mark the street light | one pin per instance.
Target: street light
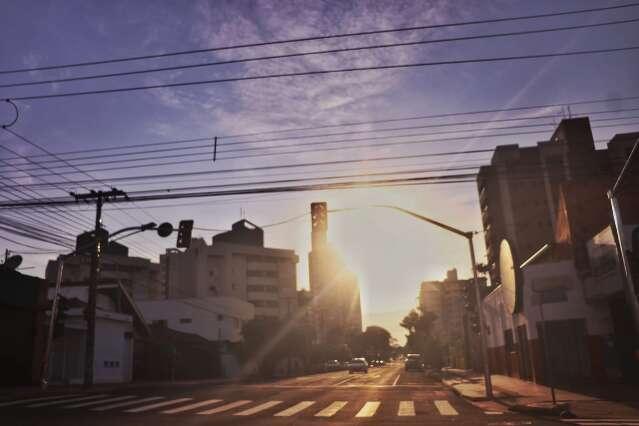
(482, 325)
(164, 230)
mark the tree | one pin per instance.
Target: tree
(420, 339)
(373, 343)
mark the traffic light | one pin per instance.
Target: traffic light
(184, 234)
(318, 216)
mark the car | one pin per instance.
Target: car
(358, 364)
(413, 362)
(332, 365)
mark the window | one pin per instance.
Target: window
(220, 317)
(555, 295)
(186, 320)
(160, 323)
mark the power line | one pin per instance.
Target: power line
(323, 149)
(323, 72)
(310, 53)
(398, 119)
(252, 142)
(316, 38)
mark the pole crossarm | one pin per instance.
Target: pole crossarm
(429, 220)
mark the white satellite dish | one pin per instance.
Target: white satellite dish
(509, 277)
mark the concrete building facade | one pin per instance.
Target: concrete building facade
(449, 301)
(142, 278)
(236, 265)
(519, 191)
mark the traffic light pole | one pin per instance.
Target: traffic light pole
(482, 326)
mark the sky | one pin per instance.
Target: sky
(391, 253)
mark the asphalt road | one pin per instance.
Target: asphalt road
(384, 396)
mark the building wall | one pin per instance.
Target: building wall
(142, 278)
(213, 318)
(519, 190)
(567, 315)
(264, 277)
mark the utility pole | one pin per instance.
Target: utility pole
(622, 245)
(89, 353)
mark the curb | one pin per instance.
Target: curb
(559, 410)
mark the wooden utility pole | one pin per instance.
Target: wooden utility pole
(89, 353)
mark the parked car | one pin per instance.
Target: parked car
(413, 362)
(332, 365)
(358, 364)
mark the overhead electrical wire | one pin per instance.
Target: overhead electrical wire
(321, 72)
(221, 151)
(324, 149)
(317, 38)
(28, 141)
(309, 53)
(397, 119)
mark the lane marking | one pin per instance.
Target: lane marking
(46, 398)
(406, 408)
(128, 403)
(257, 409)
(332, 409)
(192, 406)
(444, 408)
(295, 409)
(396, 380)
(84, 398)
(158, 405)
(102, 401)
(369, 409)
(344, 381)
(493, 412)
(225, 407)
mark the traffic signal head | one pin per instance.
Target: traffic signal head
(319, 219)
(184, 234)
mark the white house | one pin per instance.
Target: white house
(117, 322)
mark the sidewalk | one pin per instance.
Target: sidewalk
(593, 401)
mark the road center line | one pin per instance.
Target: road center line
(345, 381)
(396, 380)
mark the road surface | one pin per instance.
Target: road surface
(384, 396)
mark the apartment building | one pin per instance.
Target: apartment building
(519, 191)
(141, 277)
(447, 300)
(235, 265)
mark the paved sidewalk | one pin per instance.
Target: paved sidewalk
(605, 400)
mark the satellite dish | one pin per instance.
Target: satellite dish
(510, 277)
(13, 262)
(165, 229)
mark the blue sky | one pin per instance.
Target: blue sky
(390, 253)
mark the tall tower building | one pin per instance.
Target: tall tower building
(334, 288)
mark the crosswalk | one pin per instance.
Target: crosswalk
(610, 421)
(161, 405)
